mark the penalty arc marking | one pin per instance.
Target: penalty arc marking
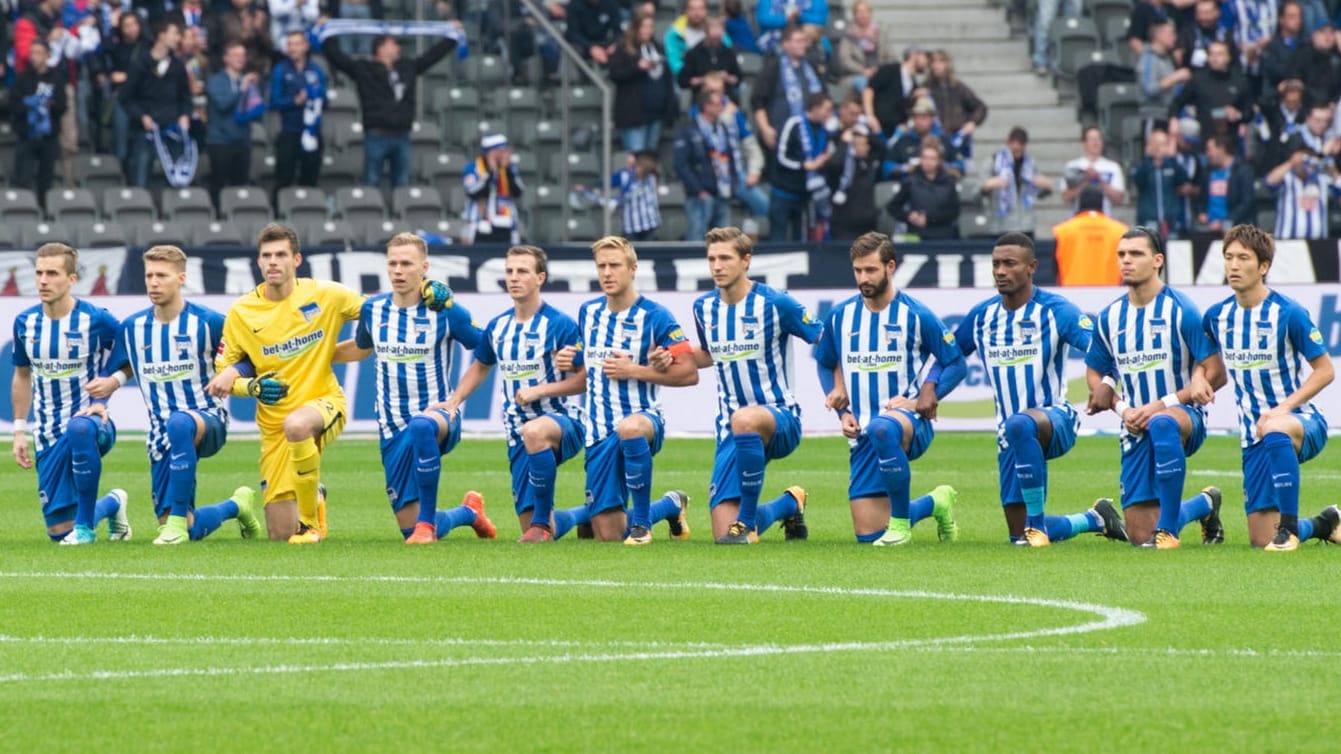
(1103, 618)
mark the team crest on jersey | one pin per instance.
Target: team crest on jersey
(422, 326)
(310, 311)
(1158, 329)
(1265, 332)
(1027, 329)
(892, 333)
(184, 344)
(1085, 322)
(1315, 336)
(74, 343)
(748, 325)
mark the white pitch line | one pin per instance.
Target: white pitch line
(1110, 618)
(253, 641)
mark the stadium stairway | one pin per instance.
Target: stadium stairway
(996, 65)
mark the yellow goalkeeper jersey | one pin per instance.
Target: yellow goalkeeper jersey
(295, 338)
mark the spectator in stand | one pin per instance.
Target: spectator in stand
(157, 94)
(36, 107)
(1185, 148)
(1278, 57)
(1156, 72)
(644, 96)
(1157, 179)
(711, 56)
(1093, 169)
(885, 99)
(230, 115)
(959, 110)
(1143, 15)
(191, 52)
(846, 115)
(750, 174)
(118, 54)
(39, 22)
(928, 199)
(686, 32)
(356, 9)
(785, 81)
(905, 149)
(288, 16)
(1227, 195)
(493, 186)
(738, 28)
(67, 45)
(1304, 185)
(245, 23)
(593, 28)
(1282, 114)
(1012, 186)
(639, 203)
(1314, 12)
(298, 94)
(708, 161)
(863, 48)
(191, 15)
(1044, 15)
(386, 87)
(1087, 243)
(852, 173)
(1254, 27)
(1209, 25)
(775, 17)
(800, 199)
(1316, 136)
(1219, 94)
(1319, 66)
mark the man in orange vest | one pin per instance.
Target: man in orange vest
(1087, 243)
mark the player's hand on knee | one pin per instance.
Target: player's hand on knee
(437, 296)
(268, 388)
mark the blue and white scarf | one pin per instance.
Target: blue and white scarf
(1003, 166)
(179, 170)
(38, 105)
(312, 109)
(723, 153)
(796, 97)
(341, 27)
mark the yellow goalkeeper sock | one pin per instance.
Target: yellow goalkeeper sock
(306, 475)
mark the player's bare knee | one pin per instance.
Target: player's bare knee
(632, 426)
(538, 435)
(754, 419)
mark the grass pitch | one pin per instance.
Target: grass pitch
(364, 644)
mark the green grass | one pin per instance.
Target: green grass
(365, 644)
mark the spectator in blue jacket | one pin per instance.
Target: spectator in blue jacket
(773, 16)
(708, 161)
(742, 35)
(298, 94)
(1157, 180)
(1227, 197)
(231, 95)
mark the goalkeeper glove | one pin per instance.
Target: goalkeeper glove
(268, 389)
(437, 296)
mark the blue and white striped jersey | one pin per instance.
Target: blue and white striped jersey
(1301, 205)
(1264, 349)
(882, 353)
(412, 352)
(636, 332)
(1024, 351)
(64, 354)
(1152, 349)
(173, 361)
(750, 347)
(524, 354)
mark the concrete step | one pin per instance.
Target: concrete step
(903, 17)
(940, 32)
(1043, 124)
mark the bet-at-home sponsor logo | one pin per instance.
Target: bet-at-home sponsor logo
(58, 369)
(403, 352)
(1248, 358)
(735, 350)
(1009, 356)
(167, 371)
(1140, 361)
(520, 369)
(872, 361)
(294, 346)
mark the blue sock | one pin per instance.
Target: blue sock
(427, 464)
(1030, 468)
(868, 538)
(86, 465)
(568, 518)
(638, 478)
(1170, 469)
(773, 511)
(750, 461)
(1284, 466)
(887, 435)
(541, 472)
(181, 462)
(1305, 529)
(1194, 508)
(210, 518)
(445, 521)
(663, 510)
(1060, 528)
(105, 507)
(920, 508)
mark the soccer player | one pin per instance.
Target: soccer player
(619, 333)
(870, 357)
(745, 329)
(1021, 335)
(544, 429)
(1153, 341)
(1265, 338)
(287, 328)
(414, 346)
(171, 347)
(59, 345)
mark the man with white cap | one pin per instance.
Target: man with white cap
(492, 187)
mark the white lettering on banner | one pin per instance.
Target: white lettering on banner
(321, 266)
(239, 278)
(693, 410)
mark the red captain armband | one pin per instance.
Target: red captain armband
(680, 347)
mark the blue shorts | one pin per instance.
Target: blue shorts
(1136, 482)
(864, 478)
(55, 475)
(605, 470)
(1064, 426)
(398, 461)
(574, 435)
(216, 434)
(726, 474)
(1257, 487)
